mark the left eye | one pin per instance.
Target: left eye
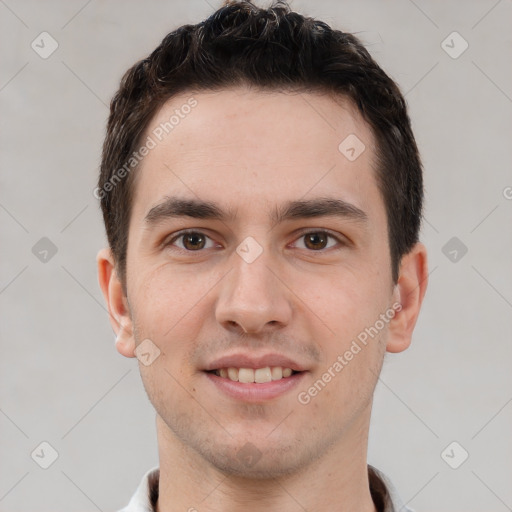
(318, 240)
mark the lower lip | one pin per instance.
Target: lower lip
(255, 392)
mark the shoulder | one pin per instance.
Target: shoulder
(383, 492)
(146, 495)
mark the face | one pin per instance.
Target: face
(255, 242)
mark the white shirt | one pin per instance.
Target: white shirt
(383, 493)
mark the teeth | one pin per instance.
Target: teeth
(287, 372)
(263, 375)
(249, 375)
(277, 373)
(244, 375)
(232, 373)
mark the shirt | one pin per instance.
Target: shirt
(382, 491)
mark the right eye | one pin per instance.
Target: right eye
(190, 241)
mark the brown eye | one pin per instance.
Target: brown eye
(316, 241)
(320, 241)
(193, 241)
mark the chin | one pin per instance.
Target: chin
(252, 463)
(255, 458)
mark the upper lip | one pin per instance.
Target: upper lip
(254, 362)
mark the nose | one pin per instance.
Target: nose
(253, 298)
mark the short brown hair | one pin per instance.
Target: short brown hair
(273, 48)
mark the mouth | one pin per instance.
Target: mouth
(254, 385)
(254, 375)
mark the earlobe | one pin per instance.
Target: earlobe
(117, 303)
(409, 292)
(125, 342)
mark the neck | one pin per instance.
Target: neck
(335, 481)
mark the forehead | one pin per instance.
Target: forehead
(252, 149)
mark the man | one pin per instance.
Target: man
(262, 195)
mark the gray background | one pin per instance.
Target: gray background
(61, 380)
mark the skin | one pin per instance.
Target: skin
(252, 151)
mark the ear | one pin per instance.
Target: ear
(409, 292)
(117, 303)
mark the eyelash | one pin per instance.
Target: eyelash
(181, 234)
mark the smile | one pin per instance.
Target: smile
(250, 375)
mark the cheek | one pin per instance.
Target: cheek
(348, 376)
(346, 302)
(166, 302)
(349, 305)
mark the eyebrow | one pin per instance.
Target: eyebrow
(175, 207)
